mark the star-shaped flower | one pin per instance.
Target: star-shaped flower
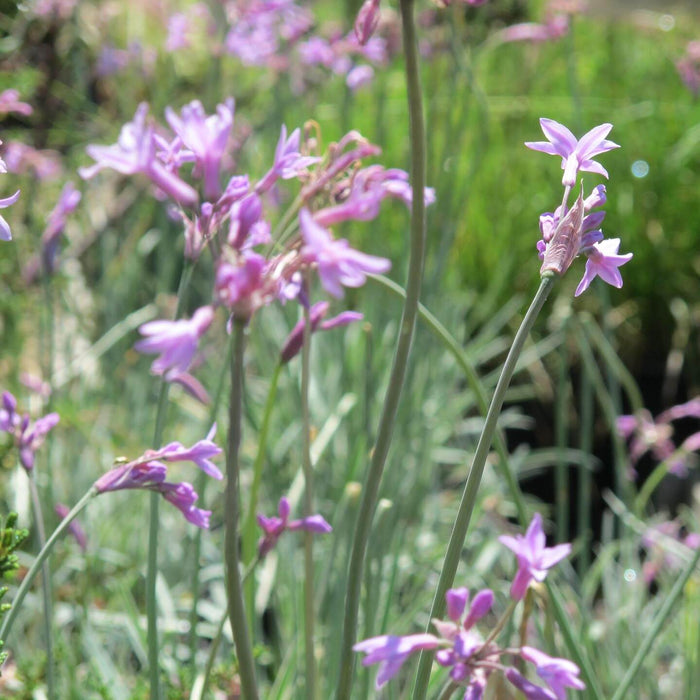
(576, 154)
(604, 261)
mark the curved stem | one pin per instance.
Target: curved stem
(466, 506)
(309, 653)
(234, 587)
(403, 346)
(448, 691)
(39, 561)
(153, 522)
(45, 586)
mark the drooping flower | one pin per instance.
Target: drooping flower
(292, 346)
(55, 224)
(175, 341)
(390, 652)
(367, 21)
(558, 674)
(576, 154)
(534, 557)
(274, 527)
(148, 472)
(338, 264)
(135, 152)
(603, 261)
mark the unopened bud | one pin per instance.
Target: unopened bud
(367, 21)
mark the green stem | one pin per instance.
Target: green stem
(309, 654)
(249, 524)
(234, 587)
(584, 475)
(448, 691)
(403, 346)
(561, 425)
(501, 623)
(39, 562)
(466, 506)
(653, 633)
(152, 562)
(217, 638)
(45, 586)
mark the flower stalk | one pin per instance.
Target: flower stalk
(466, 506)
(403, 346)
(234, 584)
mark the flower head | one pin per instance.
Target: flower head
(176, 341)
(558, 674)
(5, 233)
(576, 154)
(534, 557)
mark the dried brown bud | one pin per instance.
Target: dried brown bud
(566, 241)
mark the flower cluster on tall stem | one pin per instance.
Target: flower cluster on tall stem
(569, 232)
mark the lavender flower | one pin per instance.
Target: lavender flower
(28, 437)
(274, 527)
(338, 264)
(603, 261)
(367, 21)
(135, 152)
(558, 674)
(576, 154)
(67, 202)
(534, 558)
(176, 341)
(390, 652)
(288, 162)
(295, 339)
(148, 472)
(10, 102)
(206, 136)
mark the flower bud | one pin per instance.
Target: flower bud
(566, 241)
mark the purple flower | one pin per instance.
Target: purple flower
(245, 285)
(338, 264)
(74, 528)
(200, 454)
(558, 674)
(390, 652)
(289, 162)
(176, 341)
(135, 152)
(359, 76)
(206, 136)
(148, 472)
(274, 527)
(67, 202)
(576, 155)
(5, 233)
(295, 339)
(247, 228)
(534, 557)
(603, 261)
(28, 437)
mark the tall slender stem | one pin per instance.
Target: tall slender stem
(39, 562)
(153, 524)
(234, 586)
(309, 653)
(45, 586)
(403, 346)
(466, 506)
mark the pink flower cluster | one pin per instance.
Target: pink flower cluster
(471, 658)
